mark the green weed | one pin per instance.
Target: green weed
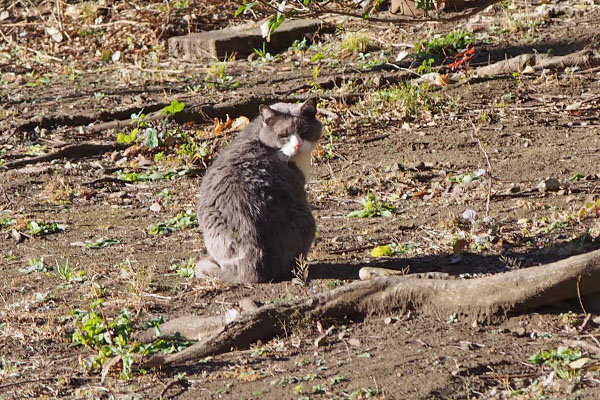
(185, 269)
(153, 176)
(355, 42)
(113, 337)
(44, 228)
(373, 207)
(69, 275)
(393, 249)
(564, 361)
(184, 220)
(101, 243)
(451, 43)
(35, 265)
(411, 99)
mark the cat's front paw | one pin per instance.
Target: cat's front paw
(207, 268)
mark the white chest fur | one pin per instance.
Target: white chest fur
(303, 160)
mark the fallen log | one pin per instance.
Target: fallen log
(485, 299)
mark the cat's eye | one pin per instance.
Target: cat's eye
(283, 135)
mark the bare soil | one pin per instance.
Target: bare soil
(531, 126)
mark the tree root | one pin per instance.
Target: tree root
(71, 151)
(485, 299)
(538, 62)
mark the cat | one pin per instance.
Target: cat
(253, 211)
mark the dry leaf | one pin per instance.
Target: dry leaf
(239, 123)
(528, 70)
(221, 126)
(108, 365)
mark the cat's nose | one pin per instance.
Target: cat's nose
(298, 145)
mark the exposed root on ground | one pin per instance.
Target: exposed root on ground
(72, 151)
(487, 298)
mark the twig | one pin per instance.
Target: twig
(489, 167)
(579, 295)
(584, 345)
(514, 376)
(45, 378)
(78, 150)
(171, 383)
(585, 321)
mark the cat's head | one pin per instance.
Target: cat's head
(292, 128)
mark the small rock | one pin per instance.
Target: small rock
(549, 185)
(519, 332)
(114, 156)
(18, 236)
(155, 207)
(117, 195)
(388, 320)
(514, 189)
(354, 342)
(247, 304)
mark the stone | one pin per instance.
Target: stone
(549, 185)
(240, 40)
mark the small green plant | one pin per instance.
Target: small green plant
(411, 99)
(373, 207)
(332, 284)
(101, 243)
(35, 149)
(467, 177)
(565, 361)
(334, 380)
(35, 265)
(183, 220)
(6, 222)
(153, 176)
(355, 42)
(173, 108)
(452, 42)
(264, 55)
(69, 275)
(139, 119)
(113, 337)
(186, 269)
(425, 66)
(392, 249)
(44, 228)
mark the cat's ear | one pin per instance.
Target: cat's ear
(266, 112)
(309, 108)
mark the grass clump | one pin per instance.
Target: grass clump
(184, 220)
(451, 43)
(373, 207)
(412, 99)
(355, 42)
(112, 337)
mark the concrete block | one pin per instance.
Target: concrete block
(241, 41)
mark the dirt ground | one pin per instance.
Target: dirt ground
(414, 150)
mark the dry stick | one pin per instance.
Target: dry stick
(46, 378)
(489, 167)
(171, 383)
(490, 297)
(78, 150)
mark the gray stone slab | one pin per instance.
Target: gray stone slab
(223, 42)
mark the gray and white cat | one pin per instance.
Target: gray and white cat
(253, 210)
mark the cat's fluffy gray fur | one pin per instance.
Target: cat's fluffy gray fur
(253, 210)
